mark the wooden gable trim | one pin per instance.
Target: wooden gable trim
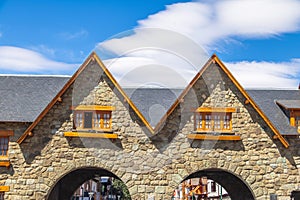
(182, 95)
(215, 59)
(92, 57)
(127, 99)
(251, 101)
(55, 99)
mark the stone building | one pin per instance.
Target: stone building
(69, 130)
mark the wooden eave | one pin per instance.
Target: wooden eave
(215, 59)
(92, 57)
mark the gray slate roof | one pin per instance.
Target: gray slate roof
(23, 98)
(153, 103)
(266, 100)
(289, 104)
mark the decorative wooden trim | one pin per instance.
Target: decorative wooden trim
(213, 137)
(95, 107)
(6, 133)
(4, 161)
(4, 188)
(91, 135)
(59, 99)
(214, 109)
(136, 110)
(201, 126)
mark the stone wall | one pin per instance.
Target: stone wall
(153, 165)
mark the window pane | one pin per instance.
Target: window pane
(78, 120)
(208, 121)
(106, 120)
(227, 121)
(298, 122)
(3, 146)
(88, 119)
(217, 122)
(198, 122)
(97, 120)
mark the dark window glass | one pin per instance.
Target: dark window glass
(88, 119)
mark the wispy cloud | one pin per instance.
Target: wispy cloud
(75, 35)
(204, 24)
(43, 49)
(20, 60)
(266, 74)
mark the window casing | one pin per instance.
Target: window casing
(297, 121)
(213, 121)
(92, 119)
(4, 144)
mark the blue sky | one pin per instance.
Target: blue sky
(258, 40)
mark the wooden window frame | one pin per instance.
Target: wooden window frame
(220, 121)
(4, 160)
(212, 125)
(98, 126)
(295, 119)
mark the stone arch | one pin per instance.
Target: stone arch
(66, 185)
(237, 188)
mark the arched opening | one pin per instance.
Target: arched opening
(213, 184)
(105, 184)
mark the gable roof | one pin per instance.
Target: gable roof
(268, 101)
(92, 57)
(140, 113)
(23, 97)
(216, 60)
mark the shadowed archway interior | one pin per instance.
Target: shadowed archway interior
(66, 185)
(235, 186)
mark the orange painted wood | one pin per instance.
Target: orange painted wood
(213, 137)
(91, 135)
(6, 132)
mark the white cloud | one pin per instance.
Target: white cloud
(266, 74)
(210, 21)
(20, 60)
(183, 28)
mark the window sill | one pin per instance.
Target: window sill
(91, 135)
(4, 161)
(213, 137)
(86, 130)
(4, 188)
(214, 132)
